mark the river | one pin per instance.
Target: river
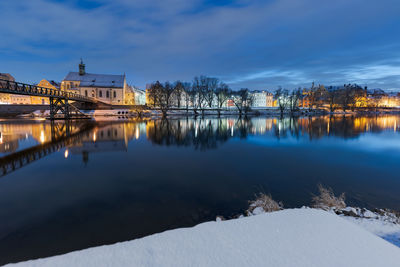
(67, 186)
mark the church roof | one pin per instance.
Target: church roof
(96, 80)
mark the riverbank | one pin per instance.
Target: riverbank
(293, 237)
(42, 111)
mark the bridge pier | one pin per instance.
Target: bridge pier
(59, 104)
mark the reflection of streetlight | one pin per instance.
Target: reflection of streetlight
(66, 153)
(137, 133)
(42, 136)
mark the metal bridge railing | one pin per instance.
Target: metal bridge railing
(34, 90)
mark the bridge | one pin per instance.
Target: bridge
(59, 100)
(63, 135)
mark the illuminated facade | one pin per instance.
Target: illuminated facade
(110, 89)
(10, 98)
(46, 84)
(262, 99)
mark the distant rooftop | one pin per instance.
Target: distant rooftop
(96, 80)
(6, 76)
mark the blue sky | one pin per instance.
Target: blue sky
(255, 44)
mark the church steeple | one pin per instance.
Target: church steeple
(82, 68)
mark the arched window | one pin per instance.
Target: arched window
(107, 94)
(100, 93)
(86, 93)
(115, 94)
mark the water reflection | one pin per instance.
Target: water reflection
(72, 185)
(201, 134)
(209, 133)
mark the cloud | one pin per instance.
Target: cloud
(256, 44)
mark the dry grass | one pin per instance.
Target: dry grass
(264, 202)
(327, 200)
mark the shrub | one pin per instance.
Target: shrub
(327, 200)
(263, 203)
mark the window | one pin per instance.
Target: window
(100, 93)
(107, 94)
(115, 94)
(86, 93)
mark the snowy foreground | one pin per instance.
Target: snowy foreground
(292, 237)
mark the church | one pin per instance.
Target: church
(110, 89)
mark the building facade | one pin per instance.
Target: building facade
(50, 84)
(262, 99)
(107, 88)
(139, 96)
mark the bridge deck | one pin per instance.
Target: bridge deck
(17, 88)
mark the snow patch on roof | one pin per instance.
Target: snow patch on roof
(96, 80)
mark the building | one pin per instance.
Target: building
(270, 99)
(6, 98)
(107, 88)
(129, 96)
(45, 84)
(134, 96)
(11, 98)
(139, 96)
(262, 99)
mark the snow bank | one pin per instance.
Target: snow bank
(293, 237)
(386, 230)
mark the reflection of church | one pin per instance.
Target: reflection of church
(109, 138)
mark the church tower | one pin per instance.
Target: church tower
(82, 68)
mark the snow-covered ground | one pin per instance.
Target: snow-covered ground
(292, 237)
(382, 223)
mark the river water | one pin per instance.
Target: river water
(69, 186)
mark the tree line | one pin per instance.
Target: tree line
(348, 97)
(199, 95)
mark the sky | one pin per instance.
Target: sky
(254, 44)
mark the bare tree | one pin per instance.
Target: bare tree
(178, 93)
(243, 100)
(187, 94)
(192, 94)
(346, 97)
(332, 97)
(161, 96)
(211, 85)
(154, 93)
(199, 87)
(294, 100)
(281, 96)
(222, 94)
